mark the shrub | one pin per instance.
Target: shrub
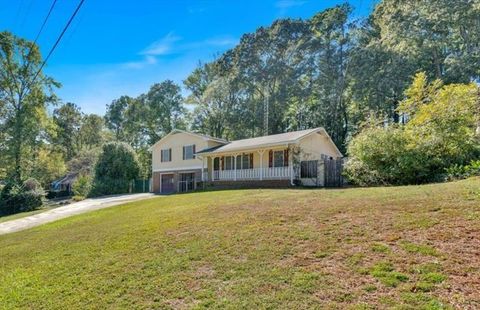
(439, 138)
(116, 167)
(78, 198)
(32, 185)
(457, 172)
(382, 156)
(16, 198)
(109, 186)
(358, 172)
(473, 169)
(82, 186)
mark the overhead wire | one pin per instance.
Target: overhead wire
(56, 42)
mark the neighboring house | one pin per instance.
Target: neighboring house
(64, 184)
(181, 160)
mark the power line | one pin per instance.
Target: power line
(74, 28)
(58, 41)
(45, 21)
(39, 32)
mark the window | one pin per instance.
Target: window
(166, 155)
(245, 161)
(229, 162)
(278, 159)
(189, 152)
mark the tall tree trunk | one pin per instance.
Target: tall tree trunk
(18, 146)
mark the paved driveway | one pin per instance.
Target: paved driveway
(68, 210)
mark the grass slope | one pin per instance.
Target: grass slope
(408, 247)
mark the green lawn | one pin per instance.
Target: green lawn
(410, 247)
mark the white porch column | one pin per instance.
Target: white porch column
(203, 168)
(290, 163)
(261, 163)
(234, 167)
(213, 168)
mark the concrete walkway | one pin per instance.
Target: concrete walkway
(68, 210)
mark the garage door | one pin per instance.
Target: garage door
(167, 184)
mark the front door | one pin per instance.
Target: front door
(168, 185)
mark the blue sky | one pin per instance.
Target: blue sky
(116, 48)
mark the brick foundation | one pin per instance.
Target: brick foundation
(247, 184)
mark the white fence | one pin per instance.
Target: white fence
(249, 174)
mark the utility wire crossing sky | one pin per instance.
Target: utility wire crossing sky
(114, 48)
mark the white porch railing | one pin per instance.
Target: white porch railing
(249, 174)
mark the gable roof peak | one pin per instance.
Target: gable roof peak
(203, 136)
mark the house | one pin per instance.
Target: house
(182, 160)
(64, 184)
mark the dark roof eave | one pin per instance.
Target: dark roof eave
(211, 149)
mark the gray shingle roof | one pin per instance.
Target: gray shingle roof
(271, 140)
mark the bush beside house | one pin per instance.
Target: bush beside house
(116, 167)
(438, 138)
(381, 156)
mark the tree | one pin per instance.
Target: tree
(440, 35)
(49, 165)
(443, 120)
(135, 132)
(164, 110)
(330, 47)
(263, 69)
(68, 120)
(24, 98)
(84, 162)
(294, 70)
(116, 167)
(91, 133)
(213, 97)
(115, 118)
(377, 76)
(403, 37)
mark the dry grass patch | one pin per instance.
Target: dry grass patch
(406, 247)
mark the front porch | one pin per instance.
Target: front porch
(278, 173)
(258, 165)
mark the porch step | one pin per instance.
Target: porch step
(247, 184)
